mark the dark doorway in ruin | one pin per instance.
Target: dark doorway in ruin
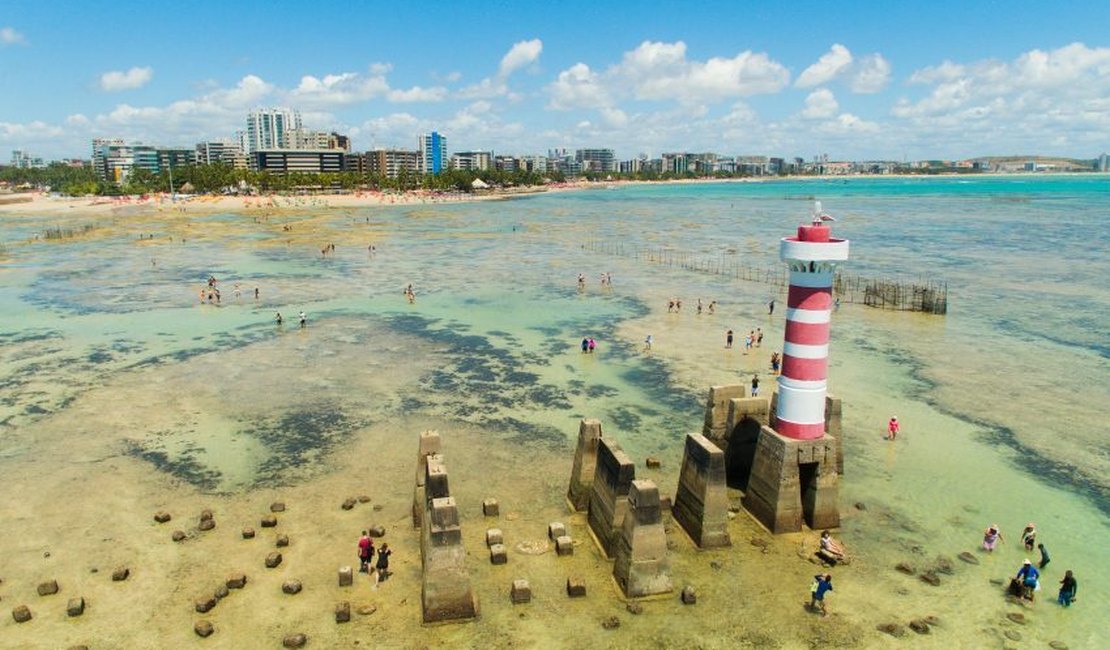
(740, 453)
(807, 479)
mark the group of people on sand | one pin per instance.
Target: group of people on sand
(1027, 581)
(589, 344)
(831, 553)
(302, 318)
(379, 571)
(674, 306)
(211, 293)
(606, 281)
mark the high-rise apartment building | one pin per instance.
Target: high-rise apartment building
(433, 153)
(25, 160)
(225, 152)
(268, 128)
(596, 160)
(391, 162)
(472, 160)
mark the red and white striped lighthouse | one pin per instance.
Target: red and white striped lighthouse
(812, 256)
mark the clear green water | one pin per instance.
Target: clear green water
(1003, 401)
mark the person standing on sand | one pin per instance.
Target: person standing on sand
(277, 318)
(647, 343)
(771, 307)
(304, 320)
(822, 584)
(892, 428)
(364, 554)
(755, 385)
(728, 339)
(383, 562)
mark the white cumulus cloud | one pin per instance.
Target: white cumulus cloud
(131, 79)
(8, 36)
(520, 55)
(828, 67)
(868, 74)
(820, 103)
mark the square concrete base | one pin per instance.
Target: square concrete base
(794, 481)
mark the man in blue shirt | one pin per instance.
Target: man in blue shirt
(1028, 575)
(821, 584)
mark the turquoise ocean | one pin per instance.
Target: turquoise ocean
(108, 356)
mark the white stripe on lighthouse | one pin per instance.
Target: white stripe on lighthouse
(801, 351)
(811, 316)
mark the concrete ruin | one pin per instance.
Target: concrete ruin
(585, 463)
(794, 481)
(701, 503)
(429, 444)
(779, 497)
(446, 593)
(608, 503)
(734, 423)
(642, 567)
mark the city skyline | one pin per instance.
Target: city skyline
(938, 81)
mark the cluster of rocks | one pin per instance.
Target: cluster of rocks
(918, 625)
(74, 607)
(350, 502)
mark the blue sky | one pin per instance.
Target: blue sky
(891, 80)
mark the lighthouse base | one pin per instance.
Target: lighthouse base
(793, 481)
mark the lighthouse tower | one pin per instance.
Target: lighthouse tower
(794, 472)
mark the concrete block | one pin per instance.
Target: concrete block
(564, 545)
(521, 592)
(346, 576)
(498, 554)
(641, 565)
(490, 508)
(494, 536)
(555, 530)
(576, 587)
(343, 612)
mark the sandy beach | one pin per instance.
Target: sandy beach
(129, 397)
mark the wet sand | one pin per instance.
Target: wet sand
(313, 417)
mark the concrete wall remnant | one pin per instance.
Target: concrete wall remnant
(701, 503)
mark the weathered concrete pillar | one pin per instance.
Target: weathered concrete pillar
(642, 567)
(585, 462)
(429, 444)
(746, 417)
(701, 504)
(716, 409)
(445, 593)
(793, 480)
(833, 411)
(609, 495)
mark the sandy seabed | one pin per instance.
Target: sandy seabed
(82, 504)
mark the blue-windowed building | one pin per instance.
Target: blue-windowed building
(433, 153)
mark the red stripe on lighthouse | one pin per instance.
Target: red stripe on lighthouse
(799, 431)
(807, 333)
(815, 298)
(805, 369)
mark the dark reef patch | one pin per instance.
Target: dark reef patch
(184, 466)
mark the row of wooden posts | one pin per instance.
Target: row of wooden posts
(921, 295)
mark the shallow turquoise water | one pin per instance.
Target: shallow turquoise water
(1003, 400)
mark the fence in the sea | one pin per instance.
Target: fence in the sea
(922, 295)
